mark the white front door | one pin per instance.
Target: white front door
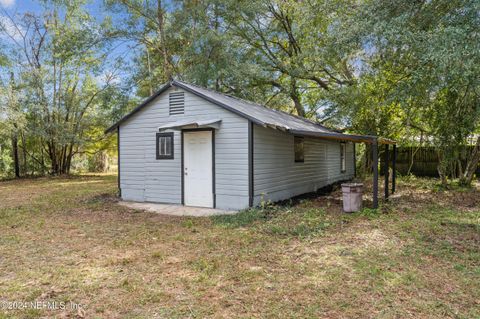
(197, 168)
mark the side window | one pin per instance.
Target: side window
(164, 146)
(343, 157)
(299, 149)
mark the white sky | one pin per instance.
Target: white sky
(7, 3)
(9, 28)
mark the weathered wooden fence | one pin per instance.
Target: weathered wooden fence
(421, 161)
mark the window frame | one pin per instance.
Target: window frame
(343, 157)
(295, 138)
(158, 136)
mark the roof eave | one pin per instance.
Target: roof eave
(186, 88)
(225, 106)
(345, 137)
(139, 107)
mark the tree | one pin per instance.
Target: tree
(434, 52)
(292, 45)
(146, 23)
(60, 58)
(274, 52)
(13, 118)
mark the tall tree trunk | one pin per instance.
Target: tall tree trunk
(64, 160)
(295, 96)
(161, 31)
(472, 164)
(442, 169)
(216, 26)
(68, 162)
(366, 160)
(412, 158)
(42, 160)
(53, 154)
(24, 154)
(16, 163)
(150, 81)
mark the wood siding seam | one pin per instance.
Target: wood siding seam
(250, 164)
(182, 168)
(278, 177)
(145, 178)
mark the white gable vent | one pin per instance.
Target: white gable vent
(177, 103)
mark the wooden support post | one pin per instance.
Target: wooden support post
(375, 172)
(385, 170)
(394, 170)
(354, 161)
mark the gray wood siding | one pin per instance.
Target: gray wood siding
(144, 178)
(278, 177)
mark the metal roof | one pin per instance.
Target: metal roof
(259, 114)
(213, 123)
(256, 113)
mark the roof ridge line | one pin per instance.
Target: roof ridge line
(225, 94)
(257, 104)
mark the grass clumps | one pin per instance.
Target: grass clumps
(416, 256)
(244, 218)
(277, 220)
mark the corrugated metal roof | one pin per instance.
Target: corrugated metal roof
(215, 123)
(257, 113)
(264, 115)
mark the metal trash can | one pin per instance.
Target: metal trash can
(352, 197)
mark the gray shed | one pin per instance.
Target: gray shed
(197, 147)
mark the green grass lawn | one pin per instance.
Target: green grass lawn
(66, 239)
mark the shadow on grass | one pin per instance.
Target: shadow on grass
(244, 218)
(283, 221)
(434, 184)
(268, 210)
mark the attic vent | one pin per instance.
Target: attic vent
(177, 103)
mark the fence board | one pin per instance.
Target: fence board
(425, 161)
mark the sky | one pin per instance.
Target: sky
(20, 5)
(12, 6)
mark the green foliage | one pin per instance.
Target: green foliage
(369, 212)
(397, 69)
(284, 221)
(243, 218)
(276, 52)
(368, 108)
(5, 161)
(60, 86)
(419, 73)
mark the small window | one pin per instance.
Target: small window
(299, 149)
(343, 162)
(176, 103)
(164, 145)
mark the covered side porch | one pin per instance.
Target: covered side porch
(389, 158)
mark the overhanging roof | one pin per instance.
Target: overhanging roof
(256, 113)
(212, 123)
(138, 108)
(346, 137)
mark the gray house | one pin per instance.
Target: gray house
(197, 147)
